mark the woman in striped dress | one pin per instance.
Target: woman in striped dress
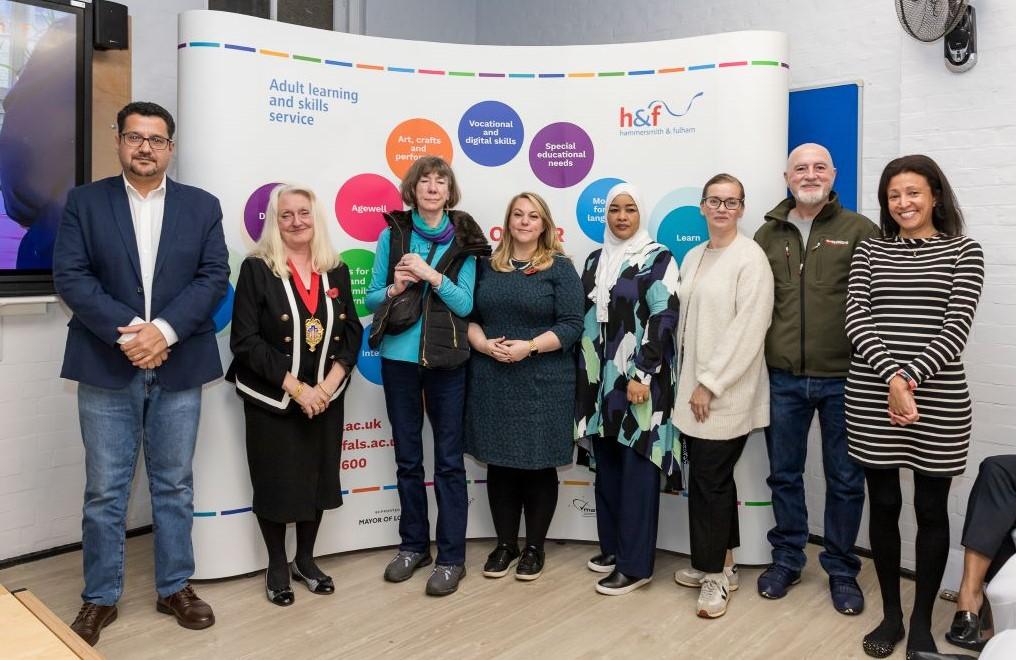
(910, 304)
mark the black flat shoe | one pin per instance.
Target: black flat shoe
(931, 655)
(282, 597)
(881, 648)
(602, 563)
(965, 630)
(322, 587)
(618, 584)
(500, 561)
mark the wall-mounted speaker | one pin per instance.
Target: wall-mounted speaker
(110, 20)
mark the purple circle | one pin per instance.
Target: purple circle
(254, 210)
(561, 154)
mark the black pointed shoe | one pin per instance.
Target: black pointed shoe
(323, 586)
(282, 597)
(618, 584)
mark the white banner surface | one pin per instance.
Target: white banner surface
(262, 102)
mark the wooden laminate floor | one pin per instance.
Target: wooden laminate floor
(557, 616)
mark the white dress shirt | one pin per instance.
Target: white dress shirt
(146, 214)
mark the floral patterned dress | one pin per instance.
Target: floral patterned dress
(637, 341)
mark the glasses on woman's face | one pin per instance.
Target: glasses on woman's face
(731, 203)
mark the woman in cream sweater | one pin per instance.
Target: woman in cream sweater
(726, 296)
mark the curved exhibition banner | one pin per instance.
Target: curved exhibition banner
(263, 102)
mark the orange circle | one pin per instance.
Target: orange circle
(413, 139)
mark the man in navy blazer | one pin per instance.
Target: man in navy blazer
(142, 263)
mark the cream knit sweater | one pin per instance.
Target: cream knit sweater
(721, 340)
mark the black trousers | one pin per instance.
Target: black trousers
(512, 492)
(627, 506)
(712, 500)
(991, 511)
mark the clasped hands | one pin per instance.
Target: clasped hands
(508, 350)
(413, 268)
(902, 406)
(148, 349)
(312, 399)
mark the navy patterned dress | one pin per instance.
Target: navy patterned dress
(517, 414)
(637, 341)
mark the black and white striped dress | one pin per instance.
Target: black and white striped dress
(910, 305)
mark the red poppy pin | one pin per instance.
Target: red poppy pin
(332, 293)
(529, 271)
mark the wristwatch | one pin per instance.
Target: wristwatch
(911, 383)
(533, 348)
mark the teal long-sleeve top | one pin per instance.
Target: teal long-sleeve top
(458, 296)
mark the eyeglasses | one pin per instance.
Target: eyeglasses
(156, 142)
(732, 203)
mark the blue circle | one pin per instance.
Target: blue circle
(681, 230)
(369, 363)
(491, 133)
(223, 313)
(590, 211)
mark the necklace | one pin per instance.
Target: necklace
(314, 330)
(518, 264)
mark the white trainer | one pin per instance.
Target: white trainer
(689, 577)
(712, 600)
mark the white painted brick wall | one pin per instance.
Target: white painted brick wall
(911, 104)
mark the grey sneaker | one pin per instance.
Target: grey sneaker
(402, 566)
(712, 600)
(689, 577)
(445, 579)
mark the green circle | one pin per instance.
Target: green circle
(361, 263)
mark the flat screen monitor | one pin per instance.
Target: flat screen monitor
(45, 59)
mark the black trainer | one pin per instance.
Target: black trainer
(500, 561)
(531, 564)
(602, 563)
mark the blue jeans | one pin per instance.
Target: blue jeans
(793, 402)
(114, 425)
(408, 389)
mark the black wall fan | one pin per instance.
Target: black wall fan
(930, 20)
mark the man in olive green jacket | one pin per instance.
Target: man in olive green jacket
(810, 239)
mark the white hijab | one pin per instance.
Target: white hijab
(616, 251)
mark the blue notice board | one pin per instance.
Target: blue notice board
(831, 116)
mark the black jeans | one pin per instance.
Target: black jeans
(512, 492)
(627, 506)
(712, 500)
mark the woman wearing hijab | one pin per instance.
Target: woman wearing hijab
(625, 389)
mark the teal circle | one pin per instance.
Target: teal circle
(682, 229)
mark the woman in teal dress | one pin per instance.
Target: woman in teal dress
(625, 389)
(527, 315)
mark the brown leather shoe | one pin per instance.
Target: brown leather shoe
(91, 620)
(189, 610)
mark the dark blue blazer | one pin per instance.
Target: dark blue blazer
(97, 272)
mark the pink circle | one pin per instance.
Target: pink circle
(361, 202)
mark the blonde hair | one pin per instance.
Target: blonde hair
(272, 250)
(547, 247)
